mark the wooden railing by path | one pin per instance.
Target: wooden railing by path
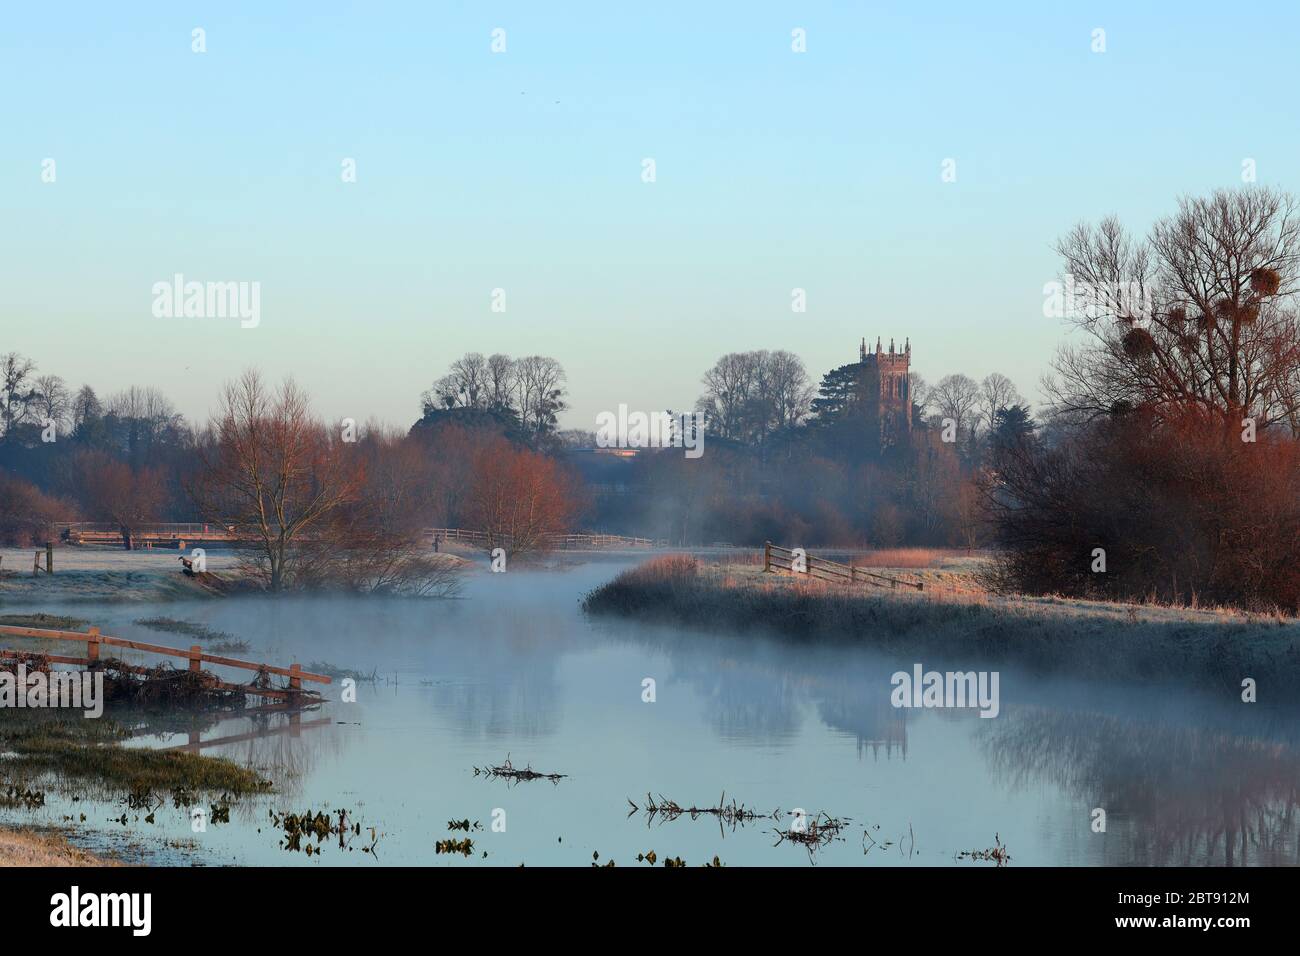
(553, 540)
(168, 535)
(179, 535)
(777, 558)
(196, 657)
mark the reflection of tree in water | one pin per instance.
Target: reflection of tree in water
(876, 724)
(755, 690)
(509, 702)
(1173, 795)
(748, 704)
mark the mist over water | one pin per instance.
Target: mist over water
(514, 668)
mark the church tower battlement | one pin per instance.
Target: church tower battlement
(887, 392)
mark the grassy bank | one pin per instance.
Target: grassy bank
(1214, 647)
(33, 848)
(49, 749)
(101, 575)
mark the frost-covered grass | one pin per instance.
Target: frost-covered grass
(1214, 646)
(103, 574)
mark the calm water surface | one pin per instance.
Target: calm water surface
(513, 668)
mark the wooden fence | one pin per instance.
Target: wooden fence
(179, 536)
(195, 656)
(777, 558)
(552, 540)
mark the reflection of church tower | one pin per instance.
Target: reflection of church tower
(887, 393)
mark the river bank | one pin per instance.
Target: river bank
(33, 848)
(52, 758)
(110, 575)
(1212, 647)
(101, 574)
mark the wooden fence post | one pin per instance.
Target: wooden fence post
(92, 646)
(196, 658)
(36, 565)
(49, 558)
(767, 556)
(295, 682)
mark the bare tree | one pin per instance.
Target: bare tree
(464, 386)
(539, 391)
(147, 418)
(730, 389)
(997, 392)
(85, 407)
(957, 397)
(748, 395)
(1198, 317)
(920, 391)
(52, 401)
(500, 382)
(16, 391)
(272, 472)
(789, 390)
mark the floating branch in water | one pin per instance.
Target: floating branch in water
(813, 833)
(997, 853)
(513, 774)
(464, 825)
(732, 813)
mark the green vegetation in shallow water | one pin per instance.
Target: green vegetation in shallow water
(171, 625)
(89, 752)
(49, 622)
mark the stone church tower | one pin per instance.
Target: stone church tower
(887, 394)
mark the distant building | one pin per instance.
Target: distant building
(887, 393)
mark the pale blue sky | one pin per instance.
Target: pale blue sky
(522, 171)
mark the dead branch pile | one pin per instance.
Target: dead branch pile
(812, 833)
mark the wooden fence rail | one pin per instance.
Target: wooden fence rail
(195, 655)
(179, 535)
(552, 539)
(778, 558)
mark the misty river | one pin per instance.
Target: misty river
(513, 667)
